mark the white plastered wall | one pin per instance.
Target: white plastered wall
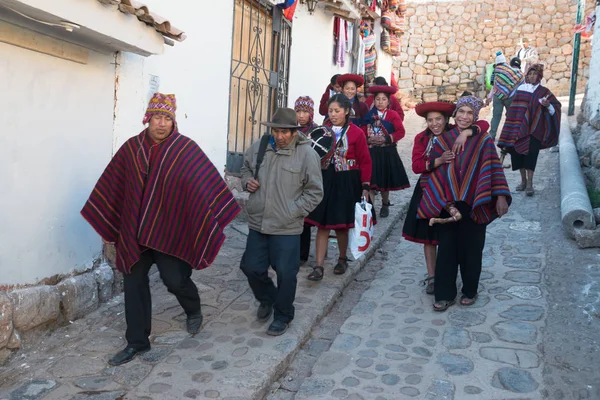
(197, 71)
(311, 59)
(56, 123)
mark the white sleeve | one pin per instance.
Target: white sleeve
(551, 109)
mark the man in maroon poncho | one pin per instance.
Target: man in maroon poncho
(160, 201)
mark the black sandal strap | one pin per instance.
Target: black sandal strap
(317, 273)
(426, 280)
(341, 268)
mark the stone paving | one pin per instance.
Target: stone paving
(231, 358)
(508, 345)
(390, 345)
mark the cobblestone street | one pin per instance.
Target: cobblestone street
(532, 334)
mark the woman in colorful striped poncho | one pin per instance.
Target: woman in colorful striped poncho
(532, 124)
(474, 183)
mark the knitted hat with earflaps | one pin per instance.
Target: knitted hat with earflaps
(161, 104)
(305, 103)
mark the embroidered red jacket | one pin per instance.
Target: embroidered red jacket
(394, 128)
(352, 152)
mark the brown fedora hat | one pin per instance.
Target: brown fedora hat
(284, 118)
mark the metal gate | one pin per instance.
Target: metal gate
(260, 57)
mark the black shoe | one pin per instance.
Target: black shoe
(385, 211)
(277, 328)
(194, 323)
(264, 311)
(126, 355)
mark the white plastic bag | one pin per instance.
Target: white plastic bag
(361, 235)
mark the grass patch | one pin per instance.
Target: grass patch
(594, 197)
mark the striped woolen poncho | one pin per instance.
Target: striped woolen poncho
(506, 81)
(526, 117)
(168, 197)
(475, 177)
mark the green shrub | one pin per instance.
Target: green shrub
(594, 197)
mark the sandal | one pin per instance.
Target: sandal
(529, 191)
(340, 267)
(521, 186)
(428, 282)
(442, 305)
(316, 274)
(467, 301)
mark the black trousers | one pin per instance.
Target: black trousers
(460, 244)
(305, 242)
(282, 252)
(175, 274)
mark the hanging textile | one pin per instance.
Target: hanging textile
(350, 37)
(370, 53)
(356, 43)
(370, 64)
(340, 35)
(360, 61)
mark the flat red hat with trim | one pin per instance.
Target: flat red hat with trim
(382, 89)
(443, 107)
(358, 79)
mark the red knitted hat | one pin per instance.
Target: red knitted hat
(305, 103)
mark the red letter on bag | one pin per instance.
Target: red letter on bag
(365, 235)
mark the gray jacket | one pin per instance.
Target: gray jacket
(291, 186)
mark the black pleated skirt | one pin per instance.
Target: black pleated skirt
(341, 191)
(388, 171)
(415, 229)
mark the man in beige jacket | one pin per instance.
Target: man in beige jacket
(286, 188)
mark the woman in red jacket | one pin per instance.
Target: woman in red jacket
(346, 178)
(437, 115)
(384, 129)
(394, 103)
(350, 84)
(332, 89)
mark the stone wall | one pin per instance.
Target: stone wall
(448, 44)
(26, 312)
(587, 134)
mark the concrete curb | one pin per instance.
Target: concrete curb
(355, 267)
(575, 205)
